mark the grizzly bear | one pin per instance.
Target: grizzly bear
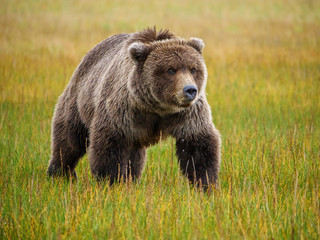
(128, 92)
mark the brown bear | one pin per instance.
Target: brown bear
(128, 92)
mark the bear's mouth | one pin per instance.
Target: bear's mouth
(187, 104)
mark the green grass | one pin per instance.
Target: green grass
(263, 60)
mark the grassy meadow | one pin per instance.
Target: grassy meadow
(263, 60)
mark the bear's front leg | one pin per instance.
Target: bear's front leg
(199, 156)
(114, 158)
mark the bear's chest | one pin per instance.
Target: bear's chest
(148, 129)
(148, 133)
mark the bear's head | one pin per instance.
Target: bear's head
(169, 75)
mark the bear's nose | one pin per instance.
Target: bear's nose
(190, 91)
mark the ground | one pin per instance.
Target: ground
(263, 60)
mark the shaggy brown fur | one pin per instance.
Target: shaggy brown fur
(127, 92)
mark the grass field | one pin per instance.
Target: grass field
(263, 60)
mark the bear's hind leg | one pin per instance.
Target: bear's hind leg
(63, 162)
(69, 141)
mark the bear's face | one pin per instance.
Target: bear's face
(172, 73)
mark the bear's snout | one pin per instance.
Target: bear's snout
(190, 92)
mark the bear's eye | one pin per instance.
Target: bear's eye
(193, 70)
(171, 71)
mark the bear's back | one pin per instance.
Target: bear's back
(90, 71)
(101, 53)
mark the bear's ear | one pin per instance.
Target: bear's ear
(139, 51)
(196, 43)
